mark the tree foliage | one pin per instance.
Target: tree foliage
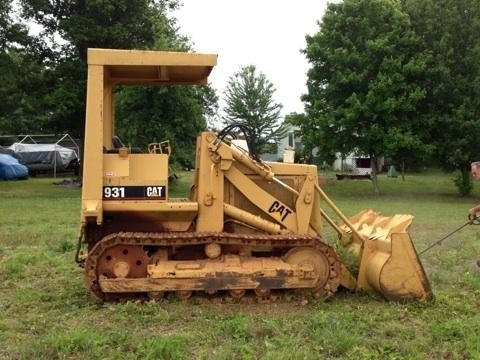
(249, 102)
(22, 75)
(450, 30)
(152, 114)
(71, 27)
(53, 99)
(364, 84)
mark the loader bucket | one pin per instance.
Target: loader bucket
(387, 259)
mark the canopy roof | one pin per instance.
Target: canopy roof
(146, 67)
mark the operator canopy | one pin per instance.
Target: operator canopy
(149, 67)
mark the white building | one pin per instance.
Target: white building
(355, 164)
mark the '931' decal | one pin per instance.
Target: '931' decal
(113, 192)
(157, 192)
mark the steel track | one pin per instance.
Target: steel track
(171, 239)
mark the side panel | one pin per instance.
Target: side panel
(135, 177)
(134, 196)
(135, 168)
(270, 205)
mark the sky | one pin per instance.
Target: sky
(269, 34)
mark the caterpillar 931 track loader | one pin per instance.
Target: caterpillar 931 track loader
(248, 227)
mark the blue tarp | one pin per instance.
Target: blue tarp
(11, 169)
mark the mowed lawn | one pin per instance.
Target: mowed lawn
(46, 312)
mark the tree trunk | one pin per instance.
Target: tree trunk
(374, 167)
(465, 185)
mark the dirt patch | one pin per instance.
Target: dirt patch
(323, 180)
(69, 184)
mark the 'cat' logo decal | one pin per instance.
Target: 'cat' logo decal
(279, 208)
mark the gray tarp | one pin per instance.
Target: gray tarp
(44, 154)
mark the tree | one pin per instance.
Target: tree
(72, 27)
(21, 74)
(450, 30)
(364, 82)
(249, 102)
(175, 113)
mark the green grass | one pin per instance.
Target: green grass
(46, 313)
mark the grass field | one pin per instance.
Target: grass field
(46, 313)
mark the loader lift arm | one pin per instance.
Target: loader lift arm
(386, 258)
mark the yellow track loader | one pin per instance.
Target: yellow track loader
(248, 228)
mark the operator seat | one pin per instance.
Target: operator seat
(118, 143)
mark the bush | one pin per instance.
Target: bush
(462, 181)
